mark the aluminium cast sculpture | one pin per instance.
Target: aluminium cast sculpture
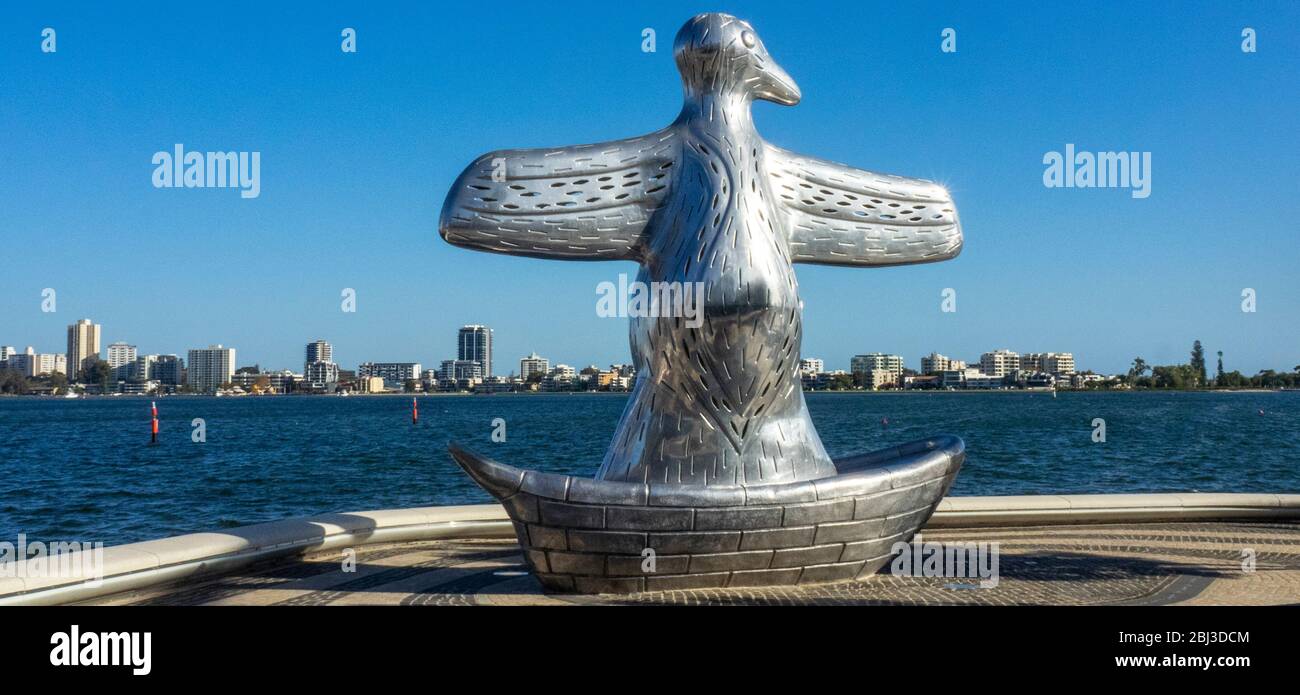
(715, 468)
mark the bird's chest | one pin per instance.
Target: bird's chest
(725, 235)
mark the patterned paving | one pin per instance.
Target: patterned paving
(1131, 564)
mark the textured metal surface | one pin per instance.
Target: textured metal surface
(707, 200)
(594, 536)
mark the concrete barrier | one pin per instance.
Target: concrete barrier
(197, 555)
(1039, 510)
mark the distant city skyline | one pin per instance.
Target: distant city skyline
(359, 150)
(477, 341)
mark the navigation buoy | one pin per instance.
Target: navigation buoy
(153, 438)
(415, 412)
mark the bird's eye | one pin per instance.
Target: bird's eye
(748, 38)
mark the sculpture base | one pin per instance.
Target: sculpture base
(595, 536)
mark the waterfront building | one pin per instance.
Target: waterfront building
(283, 381)
(1079, 381)
(141, 368)
(138, 388)
(474, 343)
(121, 358)
(83, 348)
(626, 370)
(934, 364)
(319, 351)
(370, 384)
(564, 371)
(321, 376)
(562, 377)
(394, 374)
(1047, 362)
(460, 370)
(1039, 380)
(319, 372)
(210, 367)
(30, 363)
(860, 365)
(999, 363)
(6, 351)
(494, 384)
(811, 365)
(985, 381)
(875, 379)
(821, 381)
(1058, 363)
(533, 364)
(19, 361)
(957, 378)
(168, 370)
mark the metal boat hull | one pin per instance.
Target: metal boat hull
(598, 536)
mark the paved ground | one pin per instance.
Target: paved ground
(1194, 563)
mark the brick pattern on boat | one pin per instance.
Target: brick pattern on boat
(580, 535)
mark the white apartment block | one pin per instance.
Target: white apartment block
(31, 363)
(121, 357)
(999, 363)
(861, 364)
(934, 363)
(533, 364)
(394, 374)
(1048, 362)
(811, 365)
(564, 371)
(211, 367)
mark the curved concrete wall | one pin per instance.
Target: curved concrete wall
(150, 563)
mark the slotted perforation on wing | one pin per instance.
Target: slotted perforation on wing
(839, 215)
(581, 202)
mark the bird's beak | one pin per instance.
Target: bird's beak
(775, 85)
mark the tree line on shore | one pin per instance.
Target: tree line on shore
(1195, 375)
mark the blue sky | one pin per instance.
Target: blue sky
(358, 151)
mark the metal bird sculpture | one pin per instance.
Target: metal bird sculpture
(706, 200)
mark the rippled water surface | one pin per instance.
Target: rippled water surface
(83, 469)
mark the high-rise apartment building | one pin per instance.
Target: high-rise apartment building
(164, 369)
(533, 364)
(211, 367)
(121, 357)
(474, 343)
(319, 371)
(999, 363)
(319, 351)
(83, 347)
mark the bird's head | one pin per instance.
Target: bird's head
(721, 55)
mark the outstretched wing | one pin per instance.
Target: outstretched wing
(586, 202)
(839, 215)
